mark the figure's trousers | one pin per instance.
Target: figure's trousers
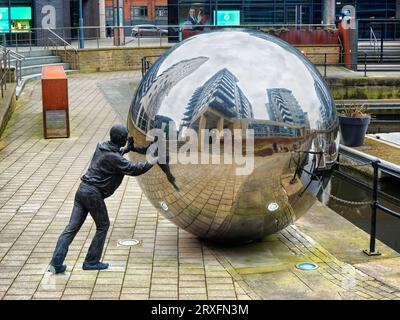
(87, 200)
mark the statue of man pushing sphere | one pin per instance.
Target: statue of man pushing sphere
(104, 175)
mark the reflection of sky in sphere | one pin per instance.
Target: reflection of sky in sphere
(257, 63)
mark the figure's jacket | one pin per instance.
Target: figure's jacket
(108, 167)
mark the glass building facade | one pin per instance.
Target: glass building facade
(275, 11)
(253, 11)
(366, 9)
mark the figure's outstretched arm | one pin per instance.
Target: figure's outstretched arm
(131, 148)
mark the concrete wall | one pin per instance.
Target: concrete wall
(7, 105)
(125, 58)
(383, 126)
(364, 88)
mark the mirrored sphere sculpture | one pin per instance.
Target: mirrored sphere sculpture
(263, 125)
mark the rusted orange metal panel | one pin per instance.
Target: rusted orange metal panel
(55, 102)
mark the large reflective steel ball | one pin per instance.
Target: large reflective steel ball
(247, 129)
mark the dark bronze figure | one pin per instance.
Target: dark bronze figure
(105, 174)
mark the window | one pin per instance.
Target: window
(109, 15)
(138, 12)
(161, 12)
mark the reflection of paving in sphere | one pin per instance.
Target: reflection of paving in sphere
(237, 80)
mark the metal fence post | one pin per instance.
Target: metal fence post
(372, 245)
(325, 66)
(365, 64)
(381, 53)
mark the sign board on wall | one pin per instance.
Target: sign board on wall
(227, 17)
(4, 23)
(193, 17)
(21, 13)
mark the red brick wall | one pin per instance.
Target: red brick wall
(151, 4)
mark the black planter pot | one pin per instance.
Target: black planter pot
(353, 130)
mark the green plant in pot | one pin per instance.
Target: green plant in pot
(353, 121)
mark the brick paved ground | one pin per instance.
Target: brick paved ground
(38, 179)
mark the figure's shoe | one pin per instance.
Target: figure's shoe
(57, 270)
(95, 266)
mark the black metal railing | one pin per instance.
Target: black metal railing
(7, 74)
(376, 206)
(324, 61)
(135, 35)
(386, 29)
(147, 62)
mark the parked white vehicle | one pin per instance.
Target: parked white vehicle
(148, 30)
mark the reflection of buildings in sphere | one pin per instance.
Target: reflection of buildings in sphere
(283, 107)
(291, 115)
(222, 94)
(151, 99)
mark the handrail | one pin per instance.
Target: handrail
(15, 54)
(146, 64)
(65, 44)
(5, 59)
(62, 40)
(38, 36)
(373, 39)
(19, 58)
(377, 165)
(341, 49)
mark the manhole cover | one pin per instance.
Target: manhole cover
(129, 242)
(307, 266)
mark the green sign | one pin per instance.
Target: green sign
(227, 17)
(21, 13)
(4, 23)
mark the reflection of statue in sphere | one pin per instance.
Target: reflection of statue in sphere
(236, 80)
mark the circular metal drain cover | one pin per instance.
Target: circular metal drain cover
(307, 266)
(129, 242)
(164, 206)
(273, 206)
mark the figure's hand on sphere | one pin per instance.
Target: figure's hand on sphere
(153, 150)
(131, 145)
